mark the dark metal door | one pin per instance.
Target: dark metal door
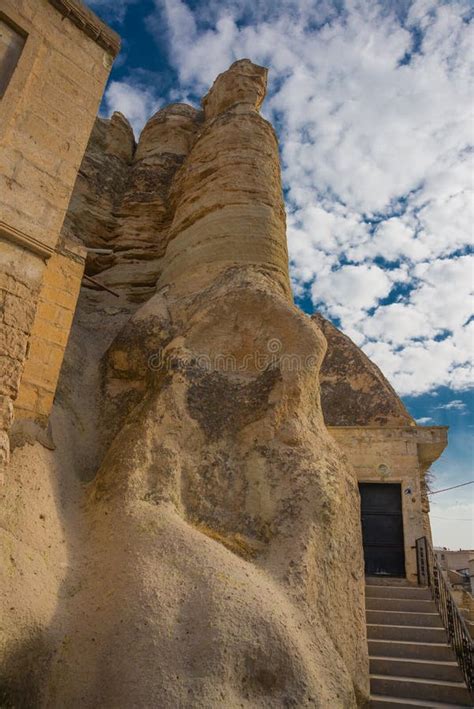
(382, 529)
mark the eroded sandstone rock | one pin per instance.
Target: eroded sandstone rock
(216, 559)
(121, 201)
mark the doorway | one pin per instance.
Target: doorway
(382, 529)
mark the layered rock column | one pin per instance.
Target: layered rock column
(228, 201)
(121, 206)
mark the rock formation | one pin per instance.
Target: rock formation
(214, 558)
(122, 203)
(354, 392)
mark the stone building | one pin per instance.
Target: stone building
(455, 559)
(55, 57)
(389, 451)
(457, 566)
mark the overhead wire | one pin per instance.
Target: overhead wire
(453, 487)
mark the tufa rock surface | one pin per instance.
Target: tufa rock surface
(354, 392)
(213, 545)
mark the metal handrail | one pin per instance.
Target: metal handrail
(431, 575)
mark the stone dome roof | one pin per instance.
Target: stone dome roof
(354, 392)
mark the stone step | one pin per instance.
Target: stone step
(408, 633)
(388, 581)
(413, 605)
(381, 702)
(409, 649)
(426, 620)
(418, 592)
(415, 688)
(409, 667)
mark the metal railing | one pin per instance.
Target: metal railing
(431, 575)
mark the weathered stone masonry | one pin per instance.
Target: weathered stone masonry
(381, 439)
(46, 114)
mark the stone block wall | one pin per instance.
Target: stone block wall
(48, 106)
(396, 455)
(49, 335)
(20, 278)
(46, 115)
(17, 308)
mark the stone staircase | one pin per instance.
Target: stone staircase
(411, 664)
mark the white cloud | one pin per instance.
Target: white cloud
(421, 366)
(137, 103)
(425, 340)
(372, 103)
(397, 324)
(424, 420)
(455, 404)
(356, 287)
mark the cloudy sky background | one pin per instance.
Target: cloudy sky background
(372, 102)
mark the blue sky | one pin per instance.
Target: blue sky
(372, 103)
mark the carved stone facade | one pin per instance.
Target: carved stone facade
(55, 62)
(382, 441)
